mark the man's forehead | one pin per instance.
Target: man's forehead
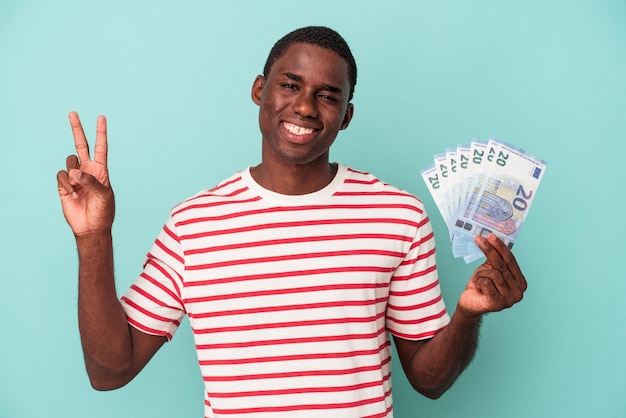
(307, 56)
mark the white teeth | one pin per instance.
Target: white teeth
(297, 130)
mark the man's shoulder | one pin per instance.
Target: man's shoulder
(229, 189)
(366, 181)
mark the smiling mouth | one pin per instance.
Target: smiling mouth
(297, 130)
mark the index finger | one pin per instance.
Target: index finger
(101, 148)
(80, 141)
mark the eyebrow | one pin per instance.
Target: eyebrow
(296, 77)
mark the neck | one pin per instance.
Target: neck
(296, 179)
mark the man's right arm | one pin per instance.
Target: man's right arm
(114, 351)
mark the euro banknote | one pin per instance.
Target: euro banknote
(483, 187)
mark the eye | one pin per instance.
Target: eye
(290, 86)
(329, 98)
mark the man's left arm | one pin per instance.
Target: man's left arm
(433, 365)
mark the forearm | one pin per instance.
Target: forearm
(432, 366)
(436, 364)
(104, 332)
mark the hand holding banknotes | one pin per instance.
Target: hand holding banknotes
(483, 192)
(496, 284)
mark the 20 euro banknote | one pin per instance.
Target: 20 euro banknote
(493, 194)
(501, 196)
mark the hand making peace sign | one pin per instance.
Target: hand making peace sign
(84, 188)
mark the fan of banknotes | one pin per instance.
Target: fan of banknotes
(481, 188)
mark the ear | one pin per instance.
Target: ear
(347, 117)
(257, 89)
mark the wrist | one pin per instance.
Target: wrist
(465, 316)
(93, 237)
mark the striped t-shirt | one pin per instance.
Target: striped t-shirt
(291, 298)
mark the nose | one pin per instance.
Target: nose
(305, 105)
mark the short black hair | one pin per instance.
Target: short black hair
(315, 35)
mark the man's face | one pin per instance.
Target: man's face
(303, 104)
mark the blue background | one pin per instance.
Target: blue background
(174, 80)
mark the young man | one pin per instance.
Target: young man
(293, 273)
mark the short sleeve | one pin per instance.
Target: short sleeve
(153, 303)
(416, 309)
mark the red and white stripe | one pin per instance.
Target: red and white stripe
(291, 298)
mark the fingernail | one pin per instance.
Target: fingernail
(75, 175)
